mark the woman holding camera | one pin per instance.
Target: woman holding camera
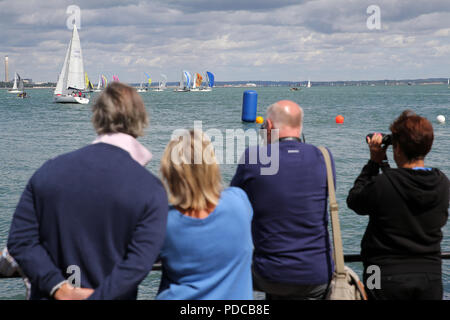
(407, 207)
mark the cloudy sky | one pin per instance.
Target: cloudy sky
(293, 40)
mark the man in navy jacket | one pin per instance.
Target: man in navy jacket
(95, 216)
(292, 256)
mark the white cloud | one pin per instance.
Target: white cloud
(289, 40)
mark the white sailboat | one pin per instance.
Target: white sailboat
(309, 84)
(185, 82)
(17, 81)
(162, 83)
(71, 81)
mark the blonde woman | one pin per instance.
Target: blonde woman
(208, 247)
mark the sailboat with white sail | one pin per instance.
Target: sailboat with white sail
(102, 83)
(71, 81)
(17, 81)
(185, 82)
(141, 87)
(197, 83)
(209, 82)
(162, 83)
(309, 84)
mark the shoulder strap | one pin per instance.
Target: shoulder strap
(337, 240)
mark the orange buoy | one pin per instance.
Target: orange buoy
(259, 119)
(339, 119)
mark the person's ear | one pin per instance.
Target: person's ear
(269, 124)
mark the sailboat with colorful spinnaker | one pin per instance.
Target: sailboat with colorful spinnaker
(71, 81)
(197, 83)
(102, 83)
(185, 82)
(209, 82)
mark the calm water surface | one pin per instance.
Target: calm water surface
(34, 130)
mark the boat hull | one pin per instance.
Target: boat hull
(70, 99)
(15, 91)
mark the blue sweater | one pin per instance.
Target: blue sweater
(95, 208)
(209, 258)
(290, 219)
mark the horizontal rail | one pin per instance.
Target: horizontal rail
(348, 258)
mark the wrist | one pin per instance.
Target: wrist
(60, 290)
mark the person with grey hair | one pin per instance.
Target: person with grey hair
(292, 257)
(91, 223)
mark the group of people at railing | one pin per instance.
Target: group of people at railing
(99, 209)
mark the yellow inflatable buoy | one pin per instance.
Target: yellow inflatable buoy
(259, 119)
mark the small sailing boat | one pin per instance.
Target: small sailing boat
(89, 85)
(185, 82)
(309, 84)
(209, 82)
(102, 83)
(162, 83)
(197, 82)
(71, 81)
(141, 87)
(17, 81)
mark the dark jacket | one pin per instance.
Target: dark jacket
(290, 220)
(94, 208)
(407, 209)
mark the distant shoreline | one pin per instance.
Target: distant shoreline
(261, 83)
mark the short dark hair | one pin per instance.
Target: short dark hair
(119, 108)
(413, 133)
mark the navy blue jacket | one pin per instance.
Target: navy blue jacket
(290, 217)
(95, 208)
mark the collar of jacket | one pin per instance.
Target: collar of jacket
(126, 142)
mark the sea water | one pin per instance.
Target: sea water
(34, 130)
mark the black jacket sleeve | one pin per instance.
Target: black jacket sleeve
(362, 197)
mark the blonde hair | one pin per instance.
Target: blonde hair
(190, 171)
(119, 108)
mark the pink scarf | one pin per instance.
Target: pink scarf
(126, 142)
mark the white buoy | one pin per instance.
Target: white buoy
(440, 118)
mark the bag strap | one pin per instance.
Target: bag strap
(334, 212)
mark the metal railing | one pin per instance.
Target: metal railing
(347, 258)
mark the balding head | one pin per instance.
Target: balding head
(287, 116)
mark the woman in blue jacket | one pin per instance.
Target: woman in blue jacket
(208, 248)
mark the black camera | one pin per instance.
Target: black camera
(386, 139)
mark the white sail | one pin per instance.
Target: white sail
(61, 85)
(194, 85)
(72, 75)
(163, 82)
(75, 77)
(15, 82)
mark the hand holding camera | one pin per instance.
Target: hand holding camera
(378, 143)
